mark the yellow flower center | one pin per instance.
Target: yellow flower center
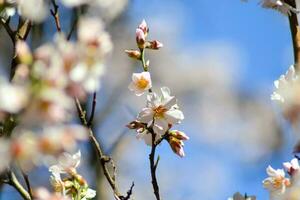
(159, 112)
(142, 83)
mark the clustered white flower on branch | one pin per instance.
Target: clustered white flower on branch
(161, 111)
(38, 10)
(37, 105)
(280, 187)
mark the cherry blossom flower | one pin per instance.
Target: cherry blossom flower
(67, 163)
(286, 93)
(161, 111)
(35, 10)
(291, 167)
(141, 82)
(279, 5)
(13, 97)
(276, 183)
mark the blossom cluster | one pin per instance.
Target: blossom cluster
(281, 187)
(38, 10)
(154, 122)
(286, 94)
(37, 106)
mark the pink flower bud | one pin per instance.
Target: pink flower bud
(176, 146)
(155, 45)
(179, 135)
(133, 54)
(144, 27)
(140, 38)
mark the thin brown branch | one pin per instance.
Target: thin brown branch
(295, 33)
(55, 13)
(102, 158)
(153, 167)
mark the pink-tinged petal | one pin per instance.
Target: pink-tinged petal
(174, 116)
(295, 163)
(143, 26)
(146, 115)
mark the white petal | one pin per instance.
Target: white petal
(160, 126)
(174, 116)
(145, 115)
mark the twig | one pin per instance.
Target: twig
(13, 181)
(55, 14)
(8, 29)
(103, 159)
(153, 166)
(26, 178)
(73, 24)
(89, 124)
(295, 33)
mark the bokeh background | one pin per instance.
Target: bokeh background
(220, 59)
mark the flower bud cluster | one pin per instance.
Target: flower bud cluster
(161, 111)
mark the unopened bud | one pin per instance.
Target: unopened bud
(135, 125)
(134, 54)
(178, 135)
(155, 45)
(177, 146)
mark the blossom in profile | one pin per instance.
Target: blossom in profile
(141, 82)
(276, 183)
(286, 94)
(161, 111)
(175, 140)
(279, 5)
(292, 167)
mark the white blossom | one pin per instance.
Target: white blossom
(141, 82)
(276, 183)
(66, 164)
(161, 111)
(13, 98)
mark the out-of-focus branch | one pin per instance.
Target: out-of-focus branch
(13, 181)
(10, 32)
(89, 124)
(26, 179)
(55, 14)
